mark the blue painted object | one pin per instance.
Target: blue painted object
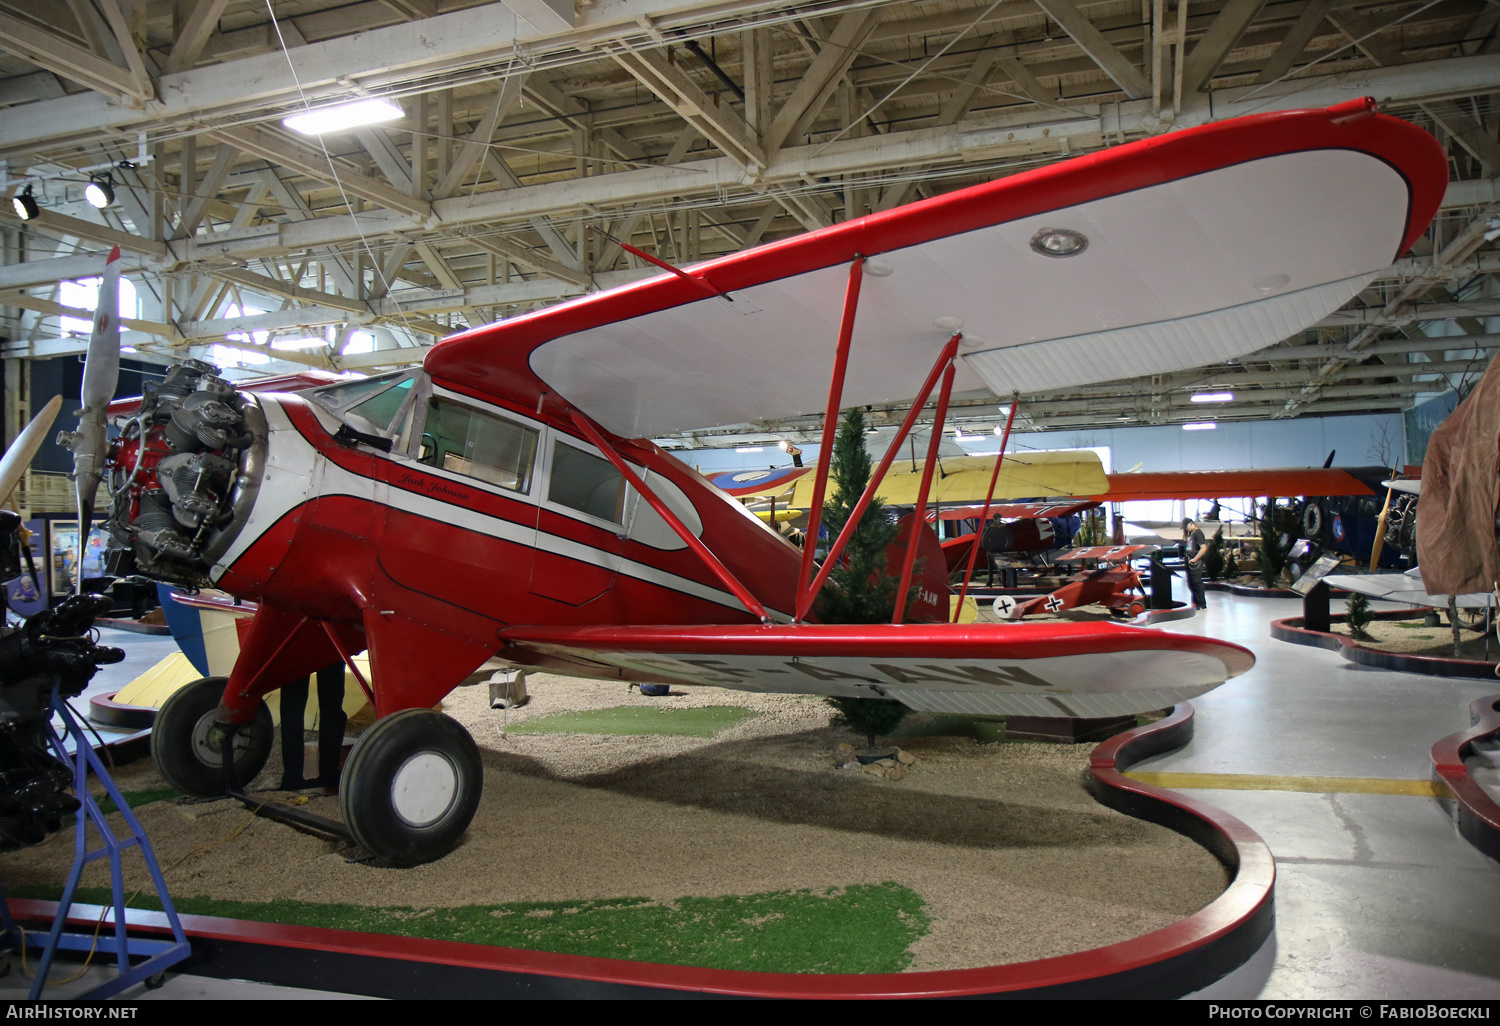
(161, 954)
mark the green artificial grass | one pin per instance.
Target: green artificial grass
(859, 929)
(135, 799)
(638, 719)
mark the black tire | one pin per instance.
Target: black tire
(1312, 521)
(411, 786)
(187, 747)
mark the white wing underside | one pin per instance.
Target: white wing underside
(1193, 271)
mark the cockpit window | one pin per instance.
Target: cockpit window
(475, 444)
(346, 393)
(380, 410)
(584, 482)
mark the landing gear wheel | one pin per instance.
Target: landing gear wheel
(410, 787)
(187, 745)
(1136, 608)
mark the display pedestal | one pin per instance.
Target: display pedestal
(1315, 608)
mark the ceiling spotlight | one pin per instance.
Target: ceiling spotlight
(100, 192)
(1059, 242)
(25, 205)
(345, 115)
(1213, 397)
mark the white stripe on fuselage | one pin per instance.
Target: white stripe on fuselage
(294, 466)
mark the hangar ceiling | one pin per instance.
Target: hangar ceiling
(538, 134)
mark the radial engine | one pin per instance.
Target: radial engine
(183, 476)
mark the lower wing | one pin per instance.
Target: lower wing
(1074, 670)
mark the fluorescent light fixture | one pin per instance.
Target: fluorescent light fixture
(1202, 425)
(345, 115)
(751, 448)
(1214, 397)
(299, 343)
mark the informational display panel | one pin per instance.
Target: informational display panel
(1315, 573)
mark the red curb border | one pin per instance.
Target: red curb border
(1291, 629)
(1175, 960)
(1478, 814)
(104, 709)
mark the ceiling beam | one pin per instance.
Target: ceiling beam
(1222, 36)
(1100, 50)
(69, 60)
(315, 164)
(716, 121)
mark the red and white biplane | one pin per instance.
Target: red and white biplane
(504, 500)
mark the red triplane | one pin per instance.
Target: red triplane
(505, 500)
(1114, 584)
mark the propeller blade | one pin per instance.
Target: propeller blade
(101, 374)
(18, 457)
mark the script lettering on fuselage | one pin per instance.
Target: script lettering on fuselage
(433, 486)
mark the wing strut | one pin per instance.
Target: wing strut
(805, 600)
(984, 517)
(710, 560)
(830, 427)
(919, 515)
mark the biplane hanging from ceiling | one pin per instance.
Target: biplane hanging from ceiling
(505, 500)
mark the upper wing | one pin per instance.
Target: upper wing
(744, 484)
(1198, 249)
(1018, 511)
(1064, 669)
(1225, 484)
(1113, 553)
(966, 479)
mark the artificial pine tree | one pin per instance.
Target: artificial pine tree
(859, 590)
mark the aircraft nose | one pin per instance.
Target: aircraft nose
(183, 475)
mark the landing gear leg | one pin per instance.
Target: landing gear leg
(411, 787)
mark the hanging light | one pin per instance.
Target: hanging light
(25, 205)
(100, 192)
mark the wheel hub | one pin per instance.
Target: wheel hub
(424, 788)
(208, 740)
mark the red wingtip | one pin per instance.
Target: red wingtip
(114, 255)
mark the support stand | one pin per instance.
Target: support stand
(1315, 615)
(1161, 584)
(160, 954)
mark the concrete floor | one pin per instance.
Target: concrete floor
(1376, 897)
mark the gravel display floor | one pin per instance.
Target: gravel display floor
(1013, 858)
